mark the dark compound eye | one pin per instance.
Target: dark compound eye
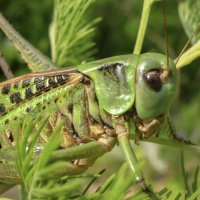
(153, 80)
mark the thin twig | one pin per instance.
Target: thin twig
(5, 68)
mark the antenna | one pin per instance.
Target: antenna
(165, 68)
(165, 30)
(188, 42)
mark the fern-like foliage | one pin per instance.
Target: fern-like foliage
(39, 174)
(189, 191)
(71, 32)
(32, 165)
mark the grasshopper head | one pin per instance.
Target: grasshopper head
(155, 85)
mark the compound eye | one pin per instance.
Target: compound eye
(152, 79)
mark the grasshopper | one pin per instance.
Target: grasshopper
(100, 103)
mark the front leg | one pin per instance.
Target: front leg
(123, 137)
(149, 128)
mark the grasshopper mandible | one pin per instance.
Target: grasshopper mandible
(98, 102)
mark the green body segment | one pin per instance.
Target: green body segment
(114, 82)
(38, 102)
(18, 90)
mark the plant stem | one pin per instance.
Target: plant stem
(189, 56)
(5, 68)
(143, 25)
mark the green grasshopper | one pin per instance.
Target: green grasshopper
(100, 103)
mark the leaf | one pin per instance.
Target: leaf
(190, 55)
(190, 17)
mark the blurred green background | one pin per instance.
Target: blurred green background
(116, 34)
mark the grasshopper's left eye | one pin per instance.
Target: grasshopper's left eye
(152, 79)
